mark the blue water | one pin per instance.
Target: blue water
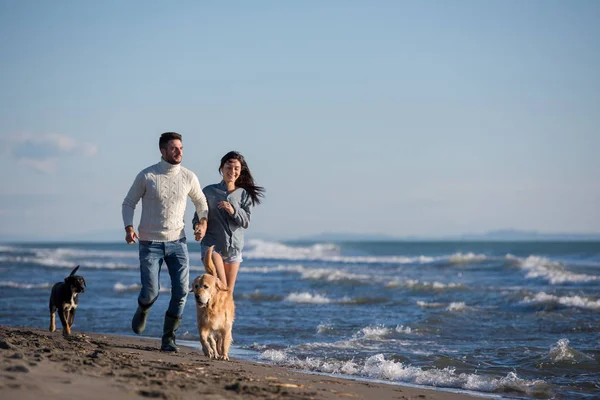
(519, 320)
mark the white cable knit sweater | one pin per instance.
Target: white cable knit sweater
(163, 189)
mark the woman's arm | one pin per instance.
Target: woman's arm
(241, 215)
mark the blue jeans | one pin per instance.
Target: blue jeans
(175, 255)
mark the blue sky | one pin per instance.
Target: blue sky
(423, 118)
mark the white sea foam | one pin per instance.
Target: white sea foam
(373, 332)
(306, 297)
(266, 250)
(66, 252)
(324, 328)
(377, 367)
(561, 351)
(329, 274)
(404, 329)
(569, 301)
(553, 271)
(10, 249)
(135, 287)
(28, 286)
(418, 285)
(462, 258)
(268, 270)
(424, 304)
(64, 263)
(260, 249)
(371, 337)
(119, 287)
(274, 250)
(457, 306)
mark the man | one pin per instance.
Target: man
(163, 189)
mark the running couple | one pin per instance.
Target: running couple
(222, 213)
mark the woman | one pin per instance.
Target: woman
(229, 209)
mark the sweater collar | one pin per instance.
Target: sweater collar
(169, 168)
(222, 185)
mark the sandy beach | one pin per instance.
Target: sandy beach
(39, 364)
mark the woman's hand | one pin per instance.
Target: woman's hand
(225, 205)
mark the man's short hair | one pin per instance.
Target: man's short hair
(166, 137)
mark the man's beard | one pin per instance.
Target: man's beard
(173, 161)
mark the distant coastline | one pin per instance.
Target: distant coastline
(508, 235)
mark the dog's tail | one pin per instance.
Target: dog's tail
(209, 266)
(75, 270)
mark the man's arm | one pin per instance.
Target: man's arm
(201, 215)
(133, 197)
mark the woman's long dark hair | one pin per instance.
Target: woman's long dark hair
(245, 180)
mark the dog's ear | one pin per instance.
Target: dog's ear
(75, 270)
(221, 286)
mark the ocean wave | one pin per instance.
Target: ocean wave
(561, 351)
(377, 367)
(457, 306)
(257, 295)
(553, 271)
(69, 252)
(63, 263)
(329, 274)
(325, 328)
(135, 287)
(425, 286)
(425, 304)
(462, 258)
(404, 329)
(28, 286)
(268, 270)
(373, 332)
(326, 274)
(306, 297)
(569, 301)
(264, 250)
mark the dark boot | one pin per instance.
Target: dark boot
(138, 323)
(168, 338)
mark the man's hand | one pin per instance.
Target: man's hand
(130, 235)
(200, 230)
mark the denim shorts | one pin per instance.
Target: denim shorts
(227, 259)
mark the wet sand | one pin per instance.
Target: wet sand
(37, 364)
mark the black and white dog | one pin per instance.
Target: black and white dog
(64, 298)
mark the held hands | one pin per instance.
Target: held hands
(200, 230)
(224, 205)
(130, 235)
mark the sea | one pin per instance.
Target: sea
(518, 320)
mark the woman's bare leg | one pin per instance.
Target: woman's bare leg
(231, 270)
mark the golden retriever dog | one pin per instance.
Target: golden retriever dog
(215, 311)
